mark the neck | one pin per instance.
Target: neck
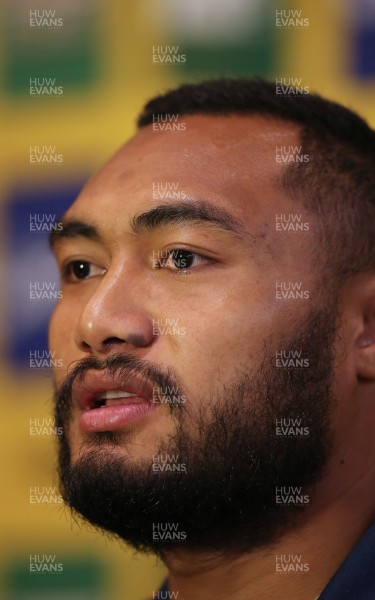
(340, 511)
(270, 571)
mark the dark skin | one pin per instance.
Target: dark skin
(226, 303)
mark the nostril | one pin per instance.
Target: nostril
(135, 340)
(113, 341)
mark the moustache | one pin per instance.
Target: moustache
(121, 367)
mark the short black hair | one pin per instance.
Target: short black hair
(338, 181)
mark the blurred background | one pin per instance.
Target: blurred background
(74, 75)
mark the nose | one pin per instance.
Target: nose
(113, 317)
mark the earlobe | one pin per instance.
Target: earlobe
(366, 349)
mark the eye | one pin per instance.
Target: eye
(179, 259)
(78, 270)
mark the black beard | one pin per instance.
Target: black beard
(224, 500)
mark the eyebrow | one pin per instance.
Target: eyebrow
(73, 229)
(181, 213)
(163, 215)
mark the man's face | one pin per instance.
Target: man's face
(181, 311)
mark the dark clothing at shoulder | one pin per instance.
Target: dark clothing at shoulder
(353, 580)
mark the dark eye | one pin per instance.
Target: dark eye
(180, 259)
(78, 270)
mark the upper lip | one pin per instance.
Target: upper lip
(88, 388)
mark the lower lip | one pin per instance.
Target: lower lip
(114, 418)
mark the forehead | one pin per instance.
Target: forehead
(227, 160)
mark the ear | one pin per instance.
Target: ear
(365, 342)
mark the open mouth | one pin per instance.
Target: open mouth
(114, 399)
(107, 403)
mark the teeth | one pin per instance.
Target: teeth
(108, 395)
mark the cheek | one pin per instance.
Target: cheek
(60, 325)
(230, 331)
(61, 339)
(223, 340)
